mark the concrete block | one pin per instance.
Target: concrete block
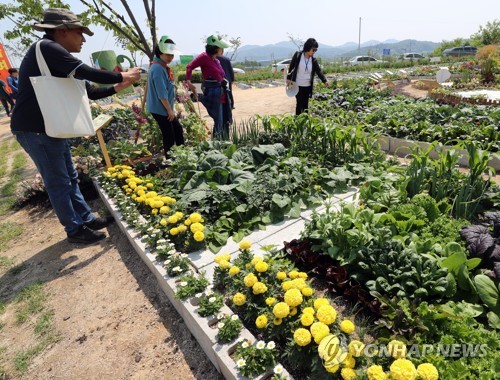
(287, 234)
(258, 235)
(346, 196)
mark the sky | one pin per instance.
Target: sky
(331, 22)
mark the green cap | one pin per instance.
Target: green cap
(167, 47)
(216, 41)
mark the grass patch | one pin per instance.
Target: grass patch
(6, 204)
(3, 170)
(30, 301)
(15, 145)
(43, 325)
(3, 306)
(6, 262)
(8, 231)
(19, 161)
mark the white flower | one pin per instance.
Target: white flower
(241, 363)
(156, 231)
(152, 236)
(261, 344)
(176, 269)
(220, 325)
(168, 261)
(150, 229)
(234, 317)
(161, 241)
(184, 255)
(278, 370)
(212, 299)
(208, 292)
(183, 283)
(244, 344)
(271, 345)
(220, 316)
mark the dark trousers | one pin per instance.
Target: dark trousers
(302, 100)
(5, 102)
(171, 131)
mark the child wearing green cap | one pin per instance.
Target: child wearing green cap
(161, 94)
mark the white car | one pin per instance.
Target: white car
(361, 60)
(281, 66)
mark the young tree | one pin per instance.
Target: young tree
(122, 22)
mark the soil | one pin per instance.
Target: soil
(111, 317)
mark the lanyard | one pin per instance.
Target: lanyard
(307, 63)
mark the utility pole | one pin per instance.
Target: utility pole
(359, 38)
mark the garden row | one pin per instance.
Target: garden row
(391, 272)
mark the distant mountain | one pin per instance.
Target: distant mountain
(285, 49)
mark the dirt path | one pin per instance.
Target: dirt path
(111, 318)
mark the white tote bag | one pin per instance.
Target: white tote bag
(63, 101)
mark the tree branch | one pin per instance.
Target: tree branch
(138, 28)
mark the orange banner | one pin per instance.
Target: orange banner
(4, 66)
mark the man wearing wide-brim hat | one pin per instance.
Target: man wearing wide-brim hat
(52, 157)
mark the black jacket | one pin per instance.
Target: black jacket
(292, 72)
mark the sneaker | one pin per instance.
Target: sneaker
(100, 223)
(85, 235)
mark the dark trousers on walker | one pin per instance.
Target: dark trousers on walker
(171, 131)
(302, 100)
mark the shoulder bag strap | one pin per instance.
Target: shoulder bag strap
(42, 65)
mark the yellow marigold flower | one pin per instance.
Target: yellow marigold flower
(149, 185)
(234, 271)
(151, 194)
(239, 299)
(303, 275)
(255, 260)
(307, 292)
(397, 349)
(427, 371)
(154, 211)
(293, 297)
(259, 288)
(326, 314)
(349, 361)
(187, 222)
(182, 228)
(245, 244)
(348, 374)
(250, 280)
(299, 283)
(261, 266)
(319, 330)
(281, 310)
(157, 204)
(293, 274)
(307, 319)
(195, 217)
(174, 231)
(223, 264)
(293, 311)
(261, 321)
(199, 236)
(163, 222)
(134, 197)
(302, 337)
(164, 210)
(320, 302)
(270, 301)
(356, 348)
(281, 276)
(179, 215)
(347, 326)
(224, 256)
(403, 369)
(376, 372)
(172, 219)
(248, 266)
(287, 285)
(309, 310)
(329, 346)
(277, 321)
(141, 193)
(195, 227)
